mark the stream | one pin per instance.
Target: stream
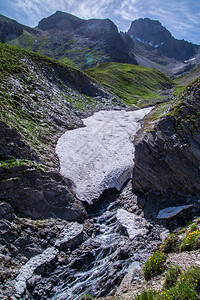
(99, 157)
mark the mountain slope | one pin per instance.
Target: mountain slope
(36, 89)
(40, 99)
(133, 84)
(86, 42)
(9, 29)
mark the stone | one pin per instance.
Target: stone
(133, 224)
(164, 234)
(167, 158)
(27, 271)
(70, 237)
(171, 212)
(132, 272)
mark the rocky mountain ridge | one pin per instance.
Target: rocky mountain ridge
(87, 43)
(81, 42)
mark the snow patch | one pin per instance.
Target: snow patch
(100, 155)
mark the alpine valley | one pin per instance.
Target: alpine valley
(99, 161)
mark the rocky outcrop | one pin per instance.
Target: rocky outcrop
(26, 272)
(134, 225)
(171, 212)
(168, 157)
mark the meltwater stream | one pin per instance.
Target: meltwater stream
(110, 251)
(96, 158)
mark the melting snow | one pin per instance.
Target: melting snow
(100, 155)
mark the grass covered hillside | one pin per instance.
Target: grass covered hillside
(40, 97)
(133, 84)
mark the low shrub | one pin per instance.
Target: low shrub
(191, 241)
(170, 244)
(171, 276)
(146, 295)
(187, 287)
(154, 265)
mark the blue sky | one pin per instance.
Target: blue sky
(180, 17)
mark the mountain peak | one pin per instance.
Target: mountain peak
(61, 21)
(149, 31)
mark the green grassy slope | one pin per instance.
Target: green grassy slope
(133, 84)
(182, 81)
(41, 97)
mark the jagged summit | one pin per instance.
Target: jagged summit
(85, 42)
(153, 33)
(149, 31)
(60, 20)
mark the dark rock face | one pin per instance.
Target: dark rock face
(85, 42)
(149, 31)
(152, 33)
(29, 191)
(99, 38)
(168, 158)
(9, 29)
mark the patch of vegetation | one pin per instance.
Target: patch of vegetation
(170, 244)
(25, 41)
(133, 84)
(146, 295)
(191, 241)
(86, 297)
(186, 239)
(171, 276)
(187, 78)
(154, 265)
(13, 163)
(67, 61)
(186, 286)
(184, 113)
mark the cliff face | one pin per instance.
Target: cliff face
(168, 158)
